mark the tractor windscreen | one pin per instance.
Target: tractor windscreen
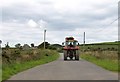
(71, 43)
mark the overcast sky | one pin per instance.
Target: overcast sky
(23, 21)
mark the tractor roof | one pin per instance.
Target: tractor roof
(69, 38)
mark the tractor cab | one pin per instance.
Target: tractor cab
(70, 42)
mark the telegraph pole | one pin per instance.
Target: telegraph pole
(44, 37)
(84, 42)
(0, 52)
(0, 58)
(84, 39)
(0, 43)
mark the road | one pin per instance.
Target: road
(66, 70)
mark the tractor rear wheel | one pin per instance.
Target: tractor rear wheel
(77, 55)
(65, 55)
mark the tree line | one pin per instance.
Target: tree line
(32, 45)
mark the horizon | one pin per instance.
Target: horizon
(54, 43)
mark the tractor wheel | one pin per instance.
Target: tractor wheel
(65, 55)
(77, 55)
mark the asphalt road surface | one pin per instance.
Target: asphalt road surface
(66, 70)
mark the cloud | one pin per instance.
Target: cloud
(42, 24)
(24, 20)
(32, 23)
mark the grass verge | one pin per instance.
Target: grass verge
(12, 69)
(111, 65)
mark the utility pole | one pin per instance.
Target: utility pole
(0, 51)
(44, 37)
(0, 43)
(84, 42)
(0, 59)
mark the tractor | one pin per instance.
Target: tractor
(71, 48)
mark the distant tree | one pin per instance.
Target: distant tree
(18, 45)
(7, 45)
(55, 46)
(0, 41)
(21, 47)
(42, 45)
(52, 47)
(26, 47)
(32, 45)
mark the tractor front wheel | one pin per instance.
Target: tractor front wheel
(77, 55)
(65, 55)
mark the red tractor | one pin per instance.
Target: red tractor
(71, 48)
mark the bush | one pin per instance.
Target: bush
(31, 58)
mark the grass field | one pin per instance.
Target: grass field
(99, 46)
(102, 54)
(111, 65)
(13, 68)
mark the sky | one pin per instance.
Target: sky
(24, 21)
